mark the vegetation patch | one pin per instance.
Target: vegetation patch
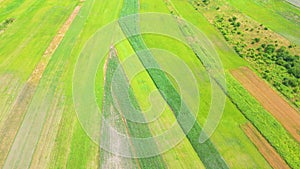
(275, 58)
(6, 23)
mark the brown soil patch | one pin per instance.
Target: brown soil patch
(264, 147)
(270, 100)
(16, 115)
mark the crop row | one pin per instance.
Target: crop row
(136, 130)
(206, 151)
(266, 124)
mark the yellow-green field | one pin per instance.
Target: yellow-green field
(41, 66)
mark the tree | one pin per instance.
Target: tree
(295, 70)
(292, 82)
(270, 48)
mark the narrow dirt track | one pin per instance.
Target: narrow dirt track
(114, 161)
(270, 100)
(22, 102)
(264, 147)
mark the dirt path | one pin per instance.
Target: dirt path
(113, 160)
(264, 147)
(294, 2)
(270, 100)
(21, 104)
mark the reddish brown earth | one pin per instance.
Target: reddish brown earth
(270, 100)
(264, 147)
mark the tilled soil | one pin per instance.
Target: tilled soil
(270, 100)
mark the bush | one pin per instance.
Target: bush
(256, 40)
(6, 22)
(295, 70)
(206, 2)
(291, 82)
(270, 48)
(234, 18)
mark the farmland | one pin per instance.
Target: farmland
(149, 84)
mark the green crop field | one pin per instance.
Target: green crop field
(149, 84)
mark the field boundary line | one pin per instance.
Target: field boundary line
(263, 146)
(113, 50)
(277, 106)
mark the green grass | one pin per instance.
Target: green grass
(183, 154)
(251, 39)
(29, 31)
(236, 149)
(241, 153)
(92, 16)
(227, 55)
(72, 147)
(33, 28)
(206, 151)
(273, 14)
(136, 130)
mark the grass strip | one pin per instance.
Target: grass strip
(206, 151)
(265, 123)
(137, 130)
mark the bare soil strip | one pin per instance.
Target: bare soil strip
(264, 147)
(16, 115)
(270, 100)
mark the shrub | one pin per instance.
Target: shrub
(206, 2)
(292, 82)
(234, 18)
(270, 48)
(256, 40)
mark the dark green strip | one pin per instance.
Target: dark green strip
(206, 151)
(137, 130)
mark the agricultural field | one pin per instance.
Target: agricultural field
(149, 84)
